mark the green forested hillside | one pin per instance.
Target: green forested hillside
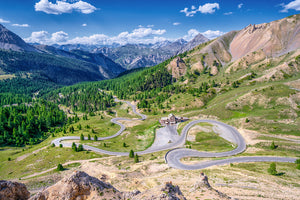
(57, 69)
(28, 123)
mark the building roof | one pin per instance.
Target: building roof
(171, 115)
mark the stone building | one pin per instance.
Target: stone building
(171, 119)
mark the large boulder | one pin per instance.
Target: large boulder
(79, 186)
(13, 191)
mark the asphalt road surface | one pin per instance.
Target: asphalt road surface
(174, 156)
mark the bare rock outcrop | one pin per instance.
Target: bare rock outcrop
(168, 192)
(177, 67)
(13, 191)
(79, 186)
(203, 188)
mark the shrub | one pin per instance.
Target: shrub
(297, 161)
(52, 145)
(9, 159)
(247, 120)
(60, 145)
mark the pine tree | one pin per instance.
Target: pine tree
(95, 138)
(136, 158)
(81, 137)
(272, 169)
(273, 146)
(60, 167)
(124, 144)
(131, 154)
(89, 137)
(74, 147)
(80, 148)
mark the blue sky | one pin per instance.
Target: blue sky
(135, 21)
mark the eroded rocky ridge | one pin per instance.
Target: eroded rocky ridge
(81, 186)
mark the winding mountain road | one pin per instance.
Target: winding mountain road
(174, 156)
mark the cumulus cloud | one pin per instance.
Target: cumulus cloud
(212, 34)
(38, 37)
(208, 8)
(59, 37)
(3, 21)
(176, 23)
(21, 25)
(84, 25)
(293, 5)
(139, 35)
(240, 5)
(228, 13)
(43, 37)
(191, 34)
(63, 6)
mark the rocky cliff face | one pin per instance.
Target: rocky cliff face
(275, 38)
(177, 67)
(245, 48)
(13, 191)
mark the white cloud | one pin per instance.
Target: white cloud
(38, 37)
(212, 34)
(240, 5)
(176, 23)
(4, 21)
(139, 35)
(21, 25)
(148, 26)
(293, 5)
(208, 8)
(84, 25)
(228, 13)
(61, 7)
(43, 37)
(59, 37)
(191, 34)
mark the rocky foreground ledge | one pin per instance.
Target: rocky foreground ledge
(84, 187)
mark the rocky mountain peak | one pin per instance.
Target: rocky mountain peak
(197, 40)
(11, 41)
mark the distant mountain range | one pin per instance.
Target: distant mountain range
(56, 65)
(131, 56)
(69, 64)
